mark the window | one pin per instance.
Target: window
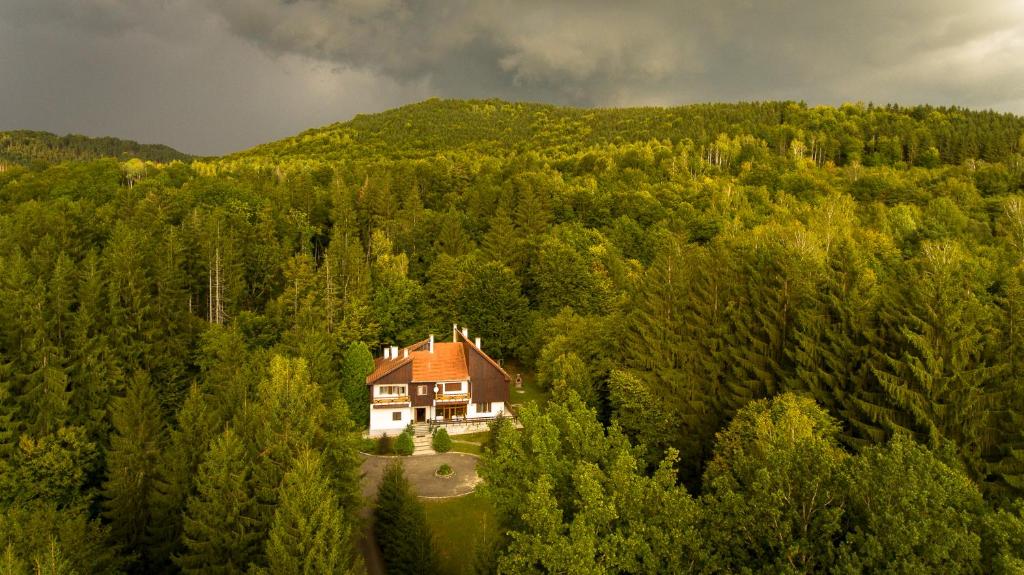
(392, 390)
(483, 407)
(453, 387)
(396, 416)
(421, 389)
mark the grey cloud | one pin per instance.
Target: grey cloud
(592, 52)
(211, 76)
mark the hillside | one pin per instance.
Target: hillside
(24, 147)
(764, 337)
(868, 134)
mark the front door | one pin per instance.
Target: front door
(421, 414)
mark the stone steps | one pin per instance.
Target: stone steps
(423, 445)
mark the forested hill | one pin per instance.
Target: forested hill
(770, 338)
(851, 133)
(25, 146)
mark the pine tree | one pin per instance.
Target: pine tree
(660, 345)
(175, 480)
(452, 238)
(400, 526)
(129, 297)
(11, 564)
(835, 339)
(936, 377)
(132, 462)
(285, 420)
(310, 533)
(356, 365)
(92, 364)
(502, 242)
(220, 525)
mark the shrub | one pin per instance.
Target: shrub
(368, 445)
(441, 442)
(404, 445)
(385, 446)
(445, 469)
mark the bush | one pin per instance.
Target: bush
(385, 446)
(404, 445)
(441, 442)
(368, 445)
(445, 469)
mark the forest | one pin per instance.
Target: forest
(778, 338)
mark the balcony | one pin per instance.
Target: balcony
(391, 401)
(444, 398)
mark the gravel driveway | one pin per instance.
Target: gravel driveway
(419, 470)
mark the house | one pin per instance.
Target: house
(435, 382)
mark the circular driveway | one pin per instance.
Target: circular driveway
(419, 470)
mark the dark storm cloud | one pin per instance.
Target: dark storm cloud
(217, 75)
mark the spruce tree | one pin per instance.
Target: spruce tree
(310, 532)
(356, 364)
(132, 462)
(936, 377)
(835, 339)
(286, 419)
(400, 526)
(176, 472)
(221, 533)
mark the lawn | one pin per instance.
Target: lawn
(458, 525)
(470, 442)
(530, 390)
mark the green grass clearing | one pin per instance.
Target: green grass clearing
(459, 524)
(470, 442)
(478, 437)
(464, 447)
(530, 390)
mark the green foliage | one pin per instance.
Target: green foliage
(356, 365)
(132, 462)
(404, 444)
(400, 525)
(441, 441)
(385, 445)
(445, 470)
(310, 533)
(659, 268)
(221, 533)
(24, 146)
(587, 502)
(773, 490)
(911, 512)
(40, 534)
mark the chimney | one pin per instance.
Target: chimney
(394, 352)
(405, 353)
(455, 332)
(478, 343)
(465, 333)
(431, 343)
(387, 352)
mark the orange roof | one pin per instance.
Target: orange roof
(382, 367)
(447, 363)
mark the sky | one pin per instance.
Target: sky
(212, 77)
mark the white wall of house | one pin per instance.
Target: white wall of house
(496, 408)
(382, 420)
